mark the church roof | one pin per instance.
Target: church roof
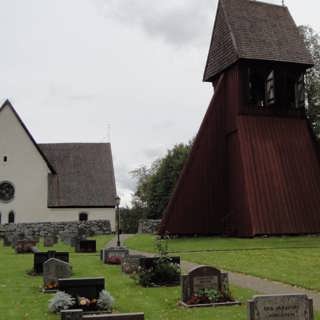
(246, 29)
(84, 175)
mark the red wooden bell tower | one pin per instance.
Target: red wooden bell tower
(254, 166)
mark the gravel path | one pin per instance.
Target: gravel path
(262, 286)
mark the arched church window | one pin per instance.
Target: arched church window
(83, 216)
(11, 217)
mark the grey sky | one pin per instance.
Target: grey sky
(71, 68)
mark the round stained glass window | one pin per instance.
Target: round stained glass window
(6, 191)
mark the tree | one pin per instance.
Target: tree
(312, 79)
(156, 184)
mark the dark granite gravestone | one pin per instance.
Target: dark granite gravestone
(82, 287)
(131, 263)
(114, 255)
(201, 278)
(280, 307)
(54, 269)
(72, 314)
(40, 257)
(120, 316)
(86, 246)
(24, 246)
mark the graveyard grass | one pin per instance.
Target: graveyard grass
(20, 296)
(292, 260)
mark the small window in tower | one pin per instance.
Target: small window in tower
(300, 92)
(261, 87)
(270, 86)
(5, 159)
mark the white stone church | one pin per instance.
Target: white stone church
(52, 182)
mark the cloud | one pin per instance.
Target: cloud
(123, 177)
(178, 22)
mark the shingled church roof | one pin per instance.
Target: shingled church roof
(246, 29)
(84, 175)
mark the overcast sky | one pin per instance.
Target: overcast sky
(129, 71)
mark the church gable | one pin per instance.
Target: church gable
(16, 140)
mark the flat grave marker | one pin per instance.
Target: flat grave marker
(280, 307)
(120, 316)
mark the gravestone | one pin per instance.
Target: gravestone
(54, 269)
(69, 238)
(131, 263)
(17, 236)
(40, 257)
(7, 239)
(49, 240)
(24, 246)
(280, 307)
(110, 255)
(203, 277)
(120, 316)
(86, 246)
(82, 287)
(72, 314)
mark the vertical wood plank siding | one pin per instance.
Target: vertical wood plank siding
(246, 175)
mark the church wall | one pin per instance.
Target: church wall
(23, 166)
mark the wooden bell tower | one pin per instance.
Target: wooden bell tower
(254, 166)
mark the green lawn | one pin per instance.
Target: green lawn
(293, 260)
(21, 299)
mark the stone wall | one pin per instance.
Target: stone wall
(91, 227)
(148, 225)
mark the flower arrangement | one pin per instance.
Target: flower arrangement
(64, 301)
(52, 285)
(207, 296)
(61, 301)
(113, 260)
